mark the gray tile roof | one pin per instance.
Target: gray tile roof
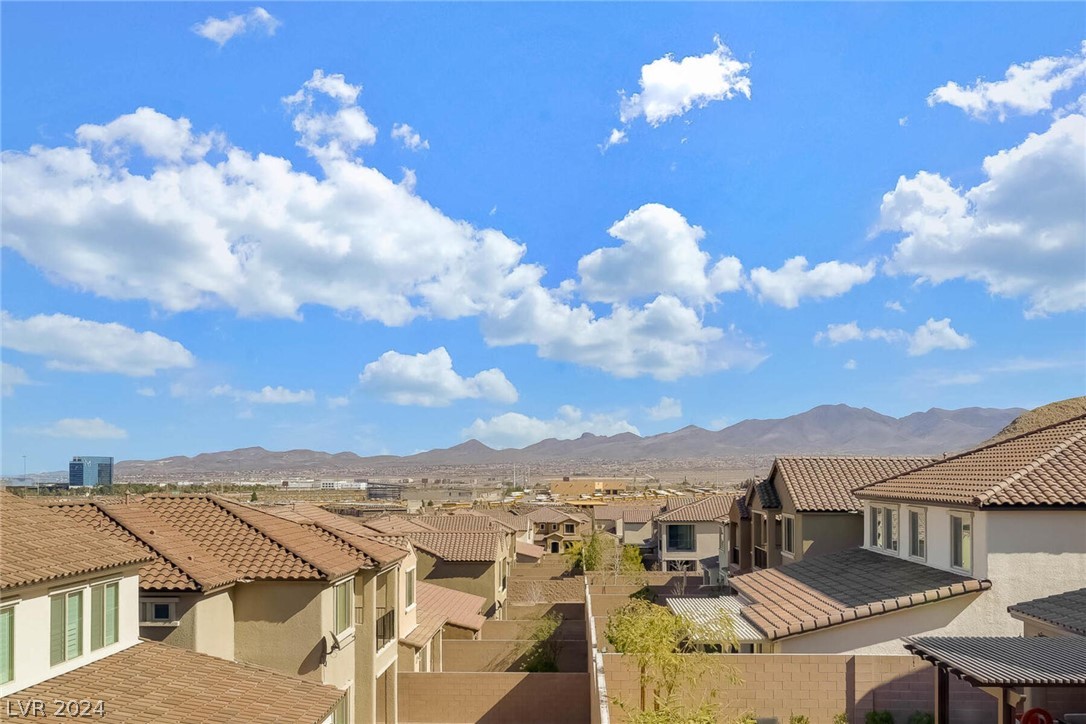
(1007, 661)
(1064, 610)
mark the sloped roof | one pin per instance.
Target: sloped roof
(1063, 610)
(709, 612)
(707, 509)
(383, 549)
(394, 525)
(1001, 661)
(39, 544)
(154, 682)
(767, 494)
(427, 625)
(459, 608)
(835, 588)
(825, 484)
(639, 515)
(462, 522)
(544, 514)
(529, 549)
(1046, 467)
(519, 523)
(677, 501)
(460, 546)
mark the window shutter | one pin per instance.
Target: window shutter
(73, 636)
(97, 617)
(111, 613)
(56, 630)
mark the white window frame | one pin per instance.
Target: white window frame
(348, 584)
(83, 590)
(147, 608)
(883, 533)
(967, 519)
(117, 628)
(11, 606)
(922, 514)
(788, 550)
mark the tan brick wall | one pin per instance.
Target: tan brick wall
(459, 698)
(568, 611)
(530, 591)
(498, 655)
(815, 685)
(522, 629)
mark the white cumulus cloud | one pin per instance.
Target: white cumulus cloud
(793, 282)
(94, 428)
(1022, 232)
(430, 381)
(409, 137)
(80, 345)
(221, 30)
(932, 335)
(668, 408)
(12, 376)
(850, 365)
(660, 255)
(1026, 89)
(670, 88)
(516, 430)
(267, 395)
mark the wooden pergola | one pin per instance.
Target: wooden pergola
(1000, 665)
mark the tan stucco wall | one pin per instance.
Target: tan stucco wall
(706, 541)
(281, 625)
(821, 533)
(370, 664)
(215, 624)
(183, 635)
(479, 578)
(636, 534)
(881, 634)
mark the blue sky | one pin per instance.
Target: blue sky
(388, 228)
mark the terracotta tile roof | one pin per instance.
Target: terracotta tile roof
(462, 522)
(825, 484)
(677, 501)
(40, 544)
(460, 546)
(427, 625)
(459, 608)
(153, 682)
(1063, 610)
(394, 525)
(383, 549)
(157, 574)
(529, 549)
(836, 588)
(1046, 467)
(543, 514)
(518, 523)
(639, 515)
(705, 510)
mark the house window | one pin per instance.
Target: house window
(918, 533)
(884, 528)
(65, 627)
(158, 611)
(680, 537)
(7, 644)
(569, 528)
(409, 588)
(339, 714)
(104, 615)
(763, 530)
(788, 543)
(343, 596)
(961, 541)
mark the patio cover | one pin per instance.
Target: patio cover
(1002, 661)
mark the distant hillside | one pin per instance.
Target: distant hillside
(1043, 416)
(829, 429)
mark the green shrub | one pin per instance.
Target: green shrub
(879, 717)
(921, 717)
(798, 719)
(747, 717)
(841, 718)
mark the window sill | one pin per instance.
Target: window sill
(160, 624)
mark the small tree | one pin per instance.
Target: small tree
(252, 498)
(670, 660)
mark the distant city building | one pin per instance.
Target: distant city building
(87, 470)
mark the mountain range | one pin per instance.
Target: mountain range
(828, 429)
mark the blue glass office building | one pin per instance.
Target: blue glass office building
(86, 470)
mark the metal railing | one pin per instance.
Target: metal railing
(386, 627)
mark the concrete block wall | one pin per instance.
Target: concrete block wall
(569, 629)
(493, 698)
(530, 591)
(499, 655)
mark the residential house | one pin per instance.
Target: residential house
(736, 548)
(688, 537)
(69, 632)
(580, 487)
(1061, 615)
(806, 506)
(556, 529)
(948, 548)
(521, 525)
(466, 522)
(244, 584)
(463, 612)
(637, 527)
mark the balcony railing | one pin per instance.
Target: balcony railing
(386, 627)
(760, 558)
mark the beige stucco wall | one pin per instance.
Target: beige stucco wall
(481, 579)
(281, 625)
(214, 633)
(182, 635)
(881, 634)
(821, 533)
(636, 534)
(369, 663)
(706, 542)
